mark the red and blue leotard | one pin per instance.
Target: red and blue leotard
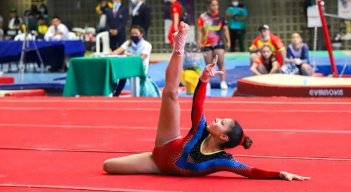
(183, 156)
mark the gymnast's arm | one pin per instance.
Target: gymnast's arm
(198, 104)
(234, 166)
(200, 94)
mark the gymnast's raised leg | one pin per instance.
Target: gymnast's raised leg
(169, 118)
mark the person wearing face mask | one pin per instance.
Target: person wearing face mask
(236, 14)
(141, 15)
(116, 21)
(43, 12)
(267, 38)
(136, 45)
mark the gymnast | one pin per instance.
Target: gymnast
(201, 151)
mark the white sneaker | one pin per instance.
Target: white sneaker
(224, 85)
(208, 89)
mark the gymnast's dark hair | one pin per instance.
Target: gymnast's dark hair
(237, 137)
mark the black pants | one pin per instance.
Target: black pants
(119, 87)
(237, 35)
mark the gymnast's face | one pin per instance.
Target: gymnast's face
(219, 127)
(296, 39)
(213, 6)
(266, 52)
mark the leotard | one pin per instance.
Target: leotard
(183, 156)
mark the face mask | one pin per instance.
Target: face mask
(235, 3)
(133, 1)
(135, 39)
(42, 10)
(116, 5)
(265, 38)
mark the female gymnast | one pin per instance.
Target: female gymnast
(201, 151)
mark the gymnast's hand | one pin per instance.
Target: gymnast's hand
(289, 176)
(210, 71)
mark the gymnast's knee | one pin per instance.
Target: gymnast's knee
(306, 69)
(170, 94)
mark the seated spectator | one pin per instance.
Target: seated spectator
(266, 37)
(57, 31)
(42, 28)
(297, 55)
(14, 25)
(31, 17)
(266, 63)
(43, 11)
(135, 46)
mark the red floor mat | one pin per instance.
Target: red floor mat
(306, 136)
(83, 170)
(6, 80)
(116, 140)
(22, 93)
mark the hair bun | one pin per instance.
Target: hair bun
(247, 142)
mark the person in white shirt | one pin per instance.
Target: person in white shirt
(1, 28)
(14, 25)
(136, 45)
(57, 31)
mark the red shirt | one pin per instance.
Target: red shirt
(274, 42)
(176, 8)
(268, 63)
(213, 25)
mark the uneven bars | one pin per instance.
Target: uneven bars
(327, 38)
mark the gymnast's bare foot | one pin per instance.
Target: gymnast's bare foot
(180, 37)
(183, 29)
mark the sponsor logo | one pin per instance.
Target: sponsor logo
(326, 92)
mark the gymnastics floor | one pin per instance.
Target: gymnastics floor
(59, 144)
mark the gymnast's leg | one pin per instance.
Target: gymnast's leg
(133, 164)
(169, 119)
(220, 52)
(306, 69)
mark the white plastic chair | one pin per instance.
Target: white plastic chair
(78, 30)
(72, 36)
(21, 37)
(103, 38)
(91, 30)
